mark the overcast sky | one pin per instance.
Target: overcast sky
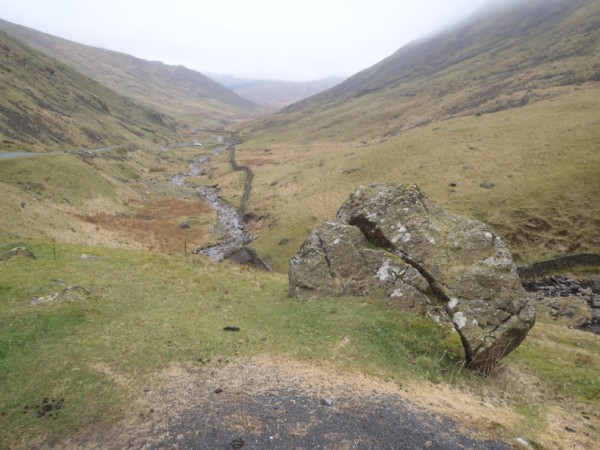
(274, 39)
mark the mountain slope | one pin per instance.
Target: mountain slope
(510, 97)
(173, 89)
(47, 105)
(275, 94)
(497, 59)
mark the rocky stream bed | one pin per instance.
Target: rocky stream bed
(562, 294)
(230, 222)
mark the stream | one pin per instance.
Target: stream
(229, 219)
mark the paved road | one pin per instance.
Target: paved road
(25, 154)
(31, 154)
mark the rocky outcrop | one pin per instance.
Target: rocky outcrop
(394, 239)
(68, 295)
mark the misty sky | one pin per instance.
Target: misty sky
(273, 39)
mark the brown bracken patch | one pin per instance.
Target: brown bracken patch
(156, 223)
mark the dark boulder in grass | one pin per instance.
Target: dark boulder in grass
(248, 256)
(395, 240)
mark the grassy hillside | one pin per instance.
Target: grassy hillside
(147, 318)
(141, 339)
(116, 199)
(145, 321)
(494, 61)
(510, 97)
(544, 160)
(174, 90)
(49, 106)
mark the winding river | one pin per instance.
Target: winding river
(230, 221)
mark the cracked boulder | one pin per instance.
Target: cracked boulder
(393, 239)
(337, 260)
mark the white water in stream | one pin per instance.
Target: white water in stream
(230, 222)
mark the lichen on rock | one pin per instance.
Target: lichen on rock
(393, 238)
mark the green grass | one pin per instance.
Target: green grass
(60, 178)
(574, 368)
(147, 310)
(42, 196)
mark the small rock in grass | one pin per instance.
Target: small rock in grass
(326, 401)
(237, 443)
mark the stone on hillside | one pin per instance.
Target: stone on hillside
(68, 295)
(15, 252)
(394, 238)
(326, 401)
(595, 285)
(248, 256)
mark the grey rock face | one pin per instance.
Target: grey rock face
(337, 260)
(395, 239)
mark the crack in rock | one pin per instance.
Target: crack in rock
(464, 264)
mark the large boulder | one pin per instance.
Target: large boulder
(337, 260)
(396, 240)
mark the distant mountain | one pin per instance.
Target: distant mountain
(173, 89)
(46, 105)
(275, 94)
(504, 56)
